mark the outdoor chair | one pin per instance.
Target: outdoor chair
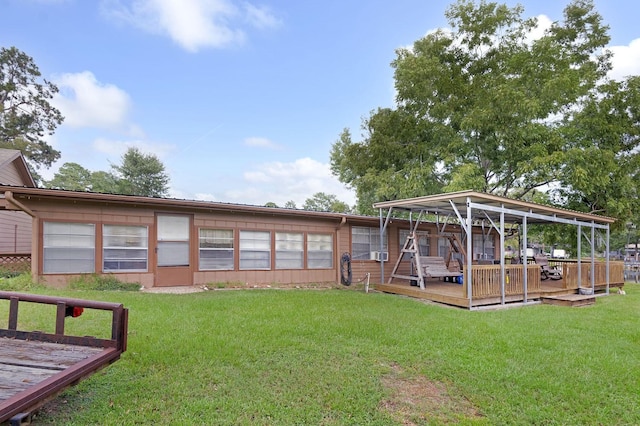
(546, 270)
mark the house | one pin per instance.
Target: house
(170, 242)
(15, 225)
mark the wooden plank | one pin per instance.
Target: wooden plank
(27, 363)
(574, 300)
(15, 379)
(42, 354)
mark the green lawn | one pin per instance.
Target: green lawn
(343, 357)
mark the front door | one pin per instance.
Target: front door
(173, 250)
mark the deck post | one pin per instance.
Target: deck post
(502, 268)
(468, 274)
(525, 264)
(593, 258)
(607, 259)
(579, 255)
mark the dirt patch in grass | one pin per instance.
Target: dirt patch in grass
(416, 400)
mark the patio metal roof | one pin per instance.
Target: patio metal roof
(493, 206)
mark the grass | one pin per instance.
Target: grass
(343, 357)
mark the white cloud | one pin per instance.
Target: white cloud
(200, 196)
(85, 102)
(116, 148)
(261, 17)
(261, 143)
(626, 60)
(281, 182)
(192, 24)
(543, 24)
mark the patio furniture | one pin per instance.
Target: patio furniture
(436, 267)
(547, 271)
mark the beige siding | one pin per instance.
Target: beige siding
(15, 226)
(9, 175)
(15, 232)
(99, 213)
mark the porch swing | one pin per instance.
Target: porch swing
(422, 267)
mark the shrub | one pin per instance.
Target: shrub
(12, 281)
(102, 283)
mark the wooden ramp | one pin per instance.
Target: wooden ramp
(574, 300)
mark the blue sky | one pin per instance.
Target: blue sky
(240, 100)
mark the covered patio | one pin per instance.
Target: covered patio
(499, 282)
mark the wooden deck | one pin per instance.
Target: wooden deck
(36, 366)
(486, 286)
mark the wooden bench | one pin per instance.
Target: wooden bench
(435, 267)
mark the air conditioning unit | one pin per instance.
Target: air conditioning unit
(379, 256)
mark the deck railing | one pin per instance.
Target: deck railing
(486, 279)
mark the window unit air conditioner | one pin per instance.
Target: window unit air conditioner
(379, 256)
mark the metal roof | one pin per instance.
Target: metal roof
(493, 206)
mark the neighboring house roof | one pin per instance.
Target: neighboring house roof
(8, 156)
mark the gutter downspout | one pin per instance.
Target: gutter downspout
(8, 195)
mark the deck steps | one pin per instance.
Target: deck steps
(574, 300)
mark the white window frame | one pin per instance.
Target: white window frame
(319, 251)
(424, 243)
(68, 248)
(366, 238)
(173, 240)
(255, 250)
(123, 249)
(216, 251)
(289, 250)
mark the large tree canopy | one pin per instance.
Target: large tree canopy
(26, 116)
(487, 106)
(142, 174)
(138, 174)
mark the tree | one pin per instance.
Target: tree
(602, 162)
(486, 107)
(72, 177)
(290, 205)
(141, 174)
(271, 204)
(26, 115)
(321, 202)
(105, 182)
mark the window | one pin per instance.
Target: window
(289, 250)
(364, 241)
(124, 248)
(319, 251)
(424, 247)
(444, 246)
(69, 247)
(173, 240)
(483, 247)
(255, 250)
(216, 249)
